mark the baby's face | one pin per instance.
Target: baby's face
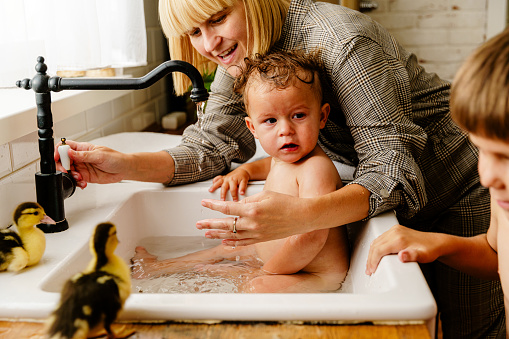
(286, 122)
(494, 168)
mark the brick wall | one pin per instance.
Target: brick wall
(442, 33)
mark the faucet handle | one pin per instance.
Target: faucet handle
(41, 67)
(41, 83)
(25, 83)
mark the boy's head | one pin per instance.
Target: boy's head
(283, 97)
(480, 104)
(480, 91)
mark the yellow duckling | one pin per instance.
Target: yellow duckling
(92, 299)
(25, 248)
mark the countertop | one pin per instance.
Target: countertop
(33, 330)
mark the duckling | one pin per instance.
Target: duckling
(91, 300)
(25, 248)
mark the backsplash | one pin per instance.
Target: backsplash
(441, 32)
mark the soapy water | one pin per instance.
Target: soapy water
(227, 276)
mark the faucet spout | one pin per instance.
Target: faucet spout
(57, 84)
(52, 186)
(198, 93)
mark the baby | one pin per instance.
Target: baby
(283, 97)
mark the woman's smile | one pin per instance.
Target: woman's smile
(223, 38)
(228, 52)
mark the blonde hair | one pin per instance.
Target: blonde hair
(480, 91)
(264, 20)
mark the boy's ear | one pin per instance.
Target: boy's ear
(324, 115)
(249, 124)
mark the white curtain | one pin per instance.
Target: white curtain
(71, 35)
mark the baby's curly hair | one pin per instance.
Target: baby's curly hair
(280, 69)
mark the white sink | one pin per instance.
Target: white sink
(396, 293)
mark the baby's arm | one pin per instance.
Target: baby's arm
(318, 176)
(476, 255)
(236, 181)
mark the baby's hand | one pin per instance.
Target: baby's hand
(236, 181)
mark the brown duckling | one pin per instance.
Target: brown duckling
(26, 246)
(91, 300)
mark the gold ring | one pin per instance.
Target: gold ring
(235, 225)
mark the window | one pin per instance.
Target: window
(71, 35)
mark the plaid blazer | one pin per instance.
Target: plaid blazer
(389, 117)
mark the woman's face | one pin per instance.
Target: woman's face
(223, 37)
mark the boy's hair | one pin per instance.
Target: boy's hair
(480, 91)
(279, 70)
(264, 20)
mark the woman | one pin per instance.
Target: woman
(389, 118)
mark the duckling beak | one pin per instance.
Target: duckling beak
(47, 220)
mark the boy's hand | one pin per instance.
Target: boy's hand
(409, 244)
(236, 182)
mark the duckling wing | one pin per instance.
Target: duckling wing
(9, 240)
(87, 301)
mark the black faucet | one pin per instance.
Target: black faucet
(53, 186)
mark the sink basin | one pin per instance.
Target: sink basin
(396, 293)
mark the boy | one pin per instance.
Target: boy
(283, 97)
(480, 105)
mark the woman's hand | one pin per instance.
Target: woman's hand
(236, 182)
(410, 246)
(94, 164)
(262, 217)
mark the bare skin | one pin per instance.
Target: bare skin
(476, 255)
(103, 165)
(311, 261)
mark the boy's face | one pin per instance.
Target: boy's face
(286, 122)
(494, 168)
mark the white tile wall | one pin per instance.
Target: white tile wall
(24, 150)
(5, 160)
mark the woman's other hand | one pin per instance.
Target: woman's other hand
(262, 217)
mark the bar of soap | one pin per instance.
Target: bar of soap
(174, 120)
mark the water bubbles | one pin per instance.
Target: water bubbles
(226, 276)
(223, 277)
(186, 282)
